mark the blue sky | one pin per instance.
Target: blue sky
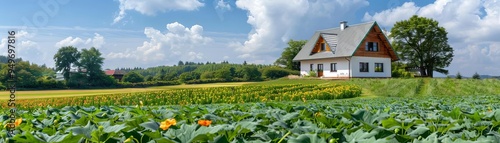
(134, 33)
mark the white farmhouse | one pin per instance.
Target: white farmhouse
(360, 50)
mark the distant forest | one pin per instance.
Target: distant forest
(32, 76)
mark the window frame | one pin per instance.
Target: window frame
(333, 67)
(381, 67)
(372, 48)
(362, 67)
(311, 66)
(322, 47)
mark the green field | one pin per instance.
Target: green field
(278, 111)
(371, 87)
(93, 92)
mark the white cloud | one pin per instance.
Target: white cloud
(222, 5)
(472, 33)
(481, 58)
(245, 56)
(194, 56)
(70, 41)
(3, 43)
(151, 7)
(390, 16)
(178, 42)
(28, 44)
(22, 34)
(97, 41)
(274, 22)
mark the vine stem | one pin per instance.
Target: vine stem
(284, 136)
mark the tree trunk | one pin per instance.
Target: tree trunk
(430, 69)
(422, 71)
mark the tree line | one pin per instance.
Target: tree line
(83, 69)
(208, 73)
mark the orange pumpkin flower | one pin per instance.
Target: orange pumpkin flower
(204, 122)
(167, 123)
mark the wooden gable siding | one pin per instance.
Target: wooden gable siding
(375, 35)
(317, 46)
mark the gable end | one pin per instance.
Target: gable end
(376, 37)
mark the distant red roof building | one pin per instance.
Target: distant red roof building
(117, 74)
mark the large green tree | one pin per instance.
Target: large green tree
(422, 43)
(92, 61)
(65, 58)
(289, 53)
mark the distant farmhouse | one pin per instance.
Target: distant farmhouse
(72, 70)
(117, 74)
(360, 50)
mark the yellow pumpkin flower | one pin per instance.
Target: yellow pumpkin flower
(167, 123)
(16, 123)
(317, 114)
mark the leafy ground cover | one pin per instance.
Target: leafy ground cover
(384, 119)
(239, 94)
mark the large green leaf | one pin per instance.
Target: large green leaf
(86, 131)
(307, 138)
(150, 125)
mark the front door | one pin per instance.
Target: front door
(320, 70)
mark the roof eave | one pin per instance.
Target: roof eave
(320, 58)
(390, 46)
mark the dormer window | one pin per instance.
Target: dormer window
(371, 46)
(323, 47)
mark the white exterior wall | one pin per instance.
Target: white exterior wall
(371, 67)
(342, 67)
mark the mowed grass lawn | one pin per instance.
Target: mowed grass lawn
(91, 92)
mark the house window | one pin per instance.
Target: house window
(363, 67)
(333, 67)
(323, 47)
(371, 46)
(311, 67)
(379, 67)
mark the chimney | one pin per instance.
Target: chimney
(343, 25)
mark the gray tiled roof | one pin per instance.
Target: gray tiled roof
(346, 42)
(331, 40)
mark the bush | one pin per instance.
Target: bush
(133, 77)
(189, 76)
(200, 81)
(312, 74)
(251, 73)
(2, 87)
(207, 75)
(459, 76)
(146, 84)
(275, 72)
(401, 73)
(213, 80)
(148, 78)
(476, 76)
(224, 73)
